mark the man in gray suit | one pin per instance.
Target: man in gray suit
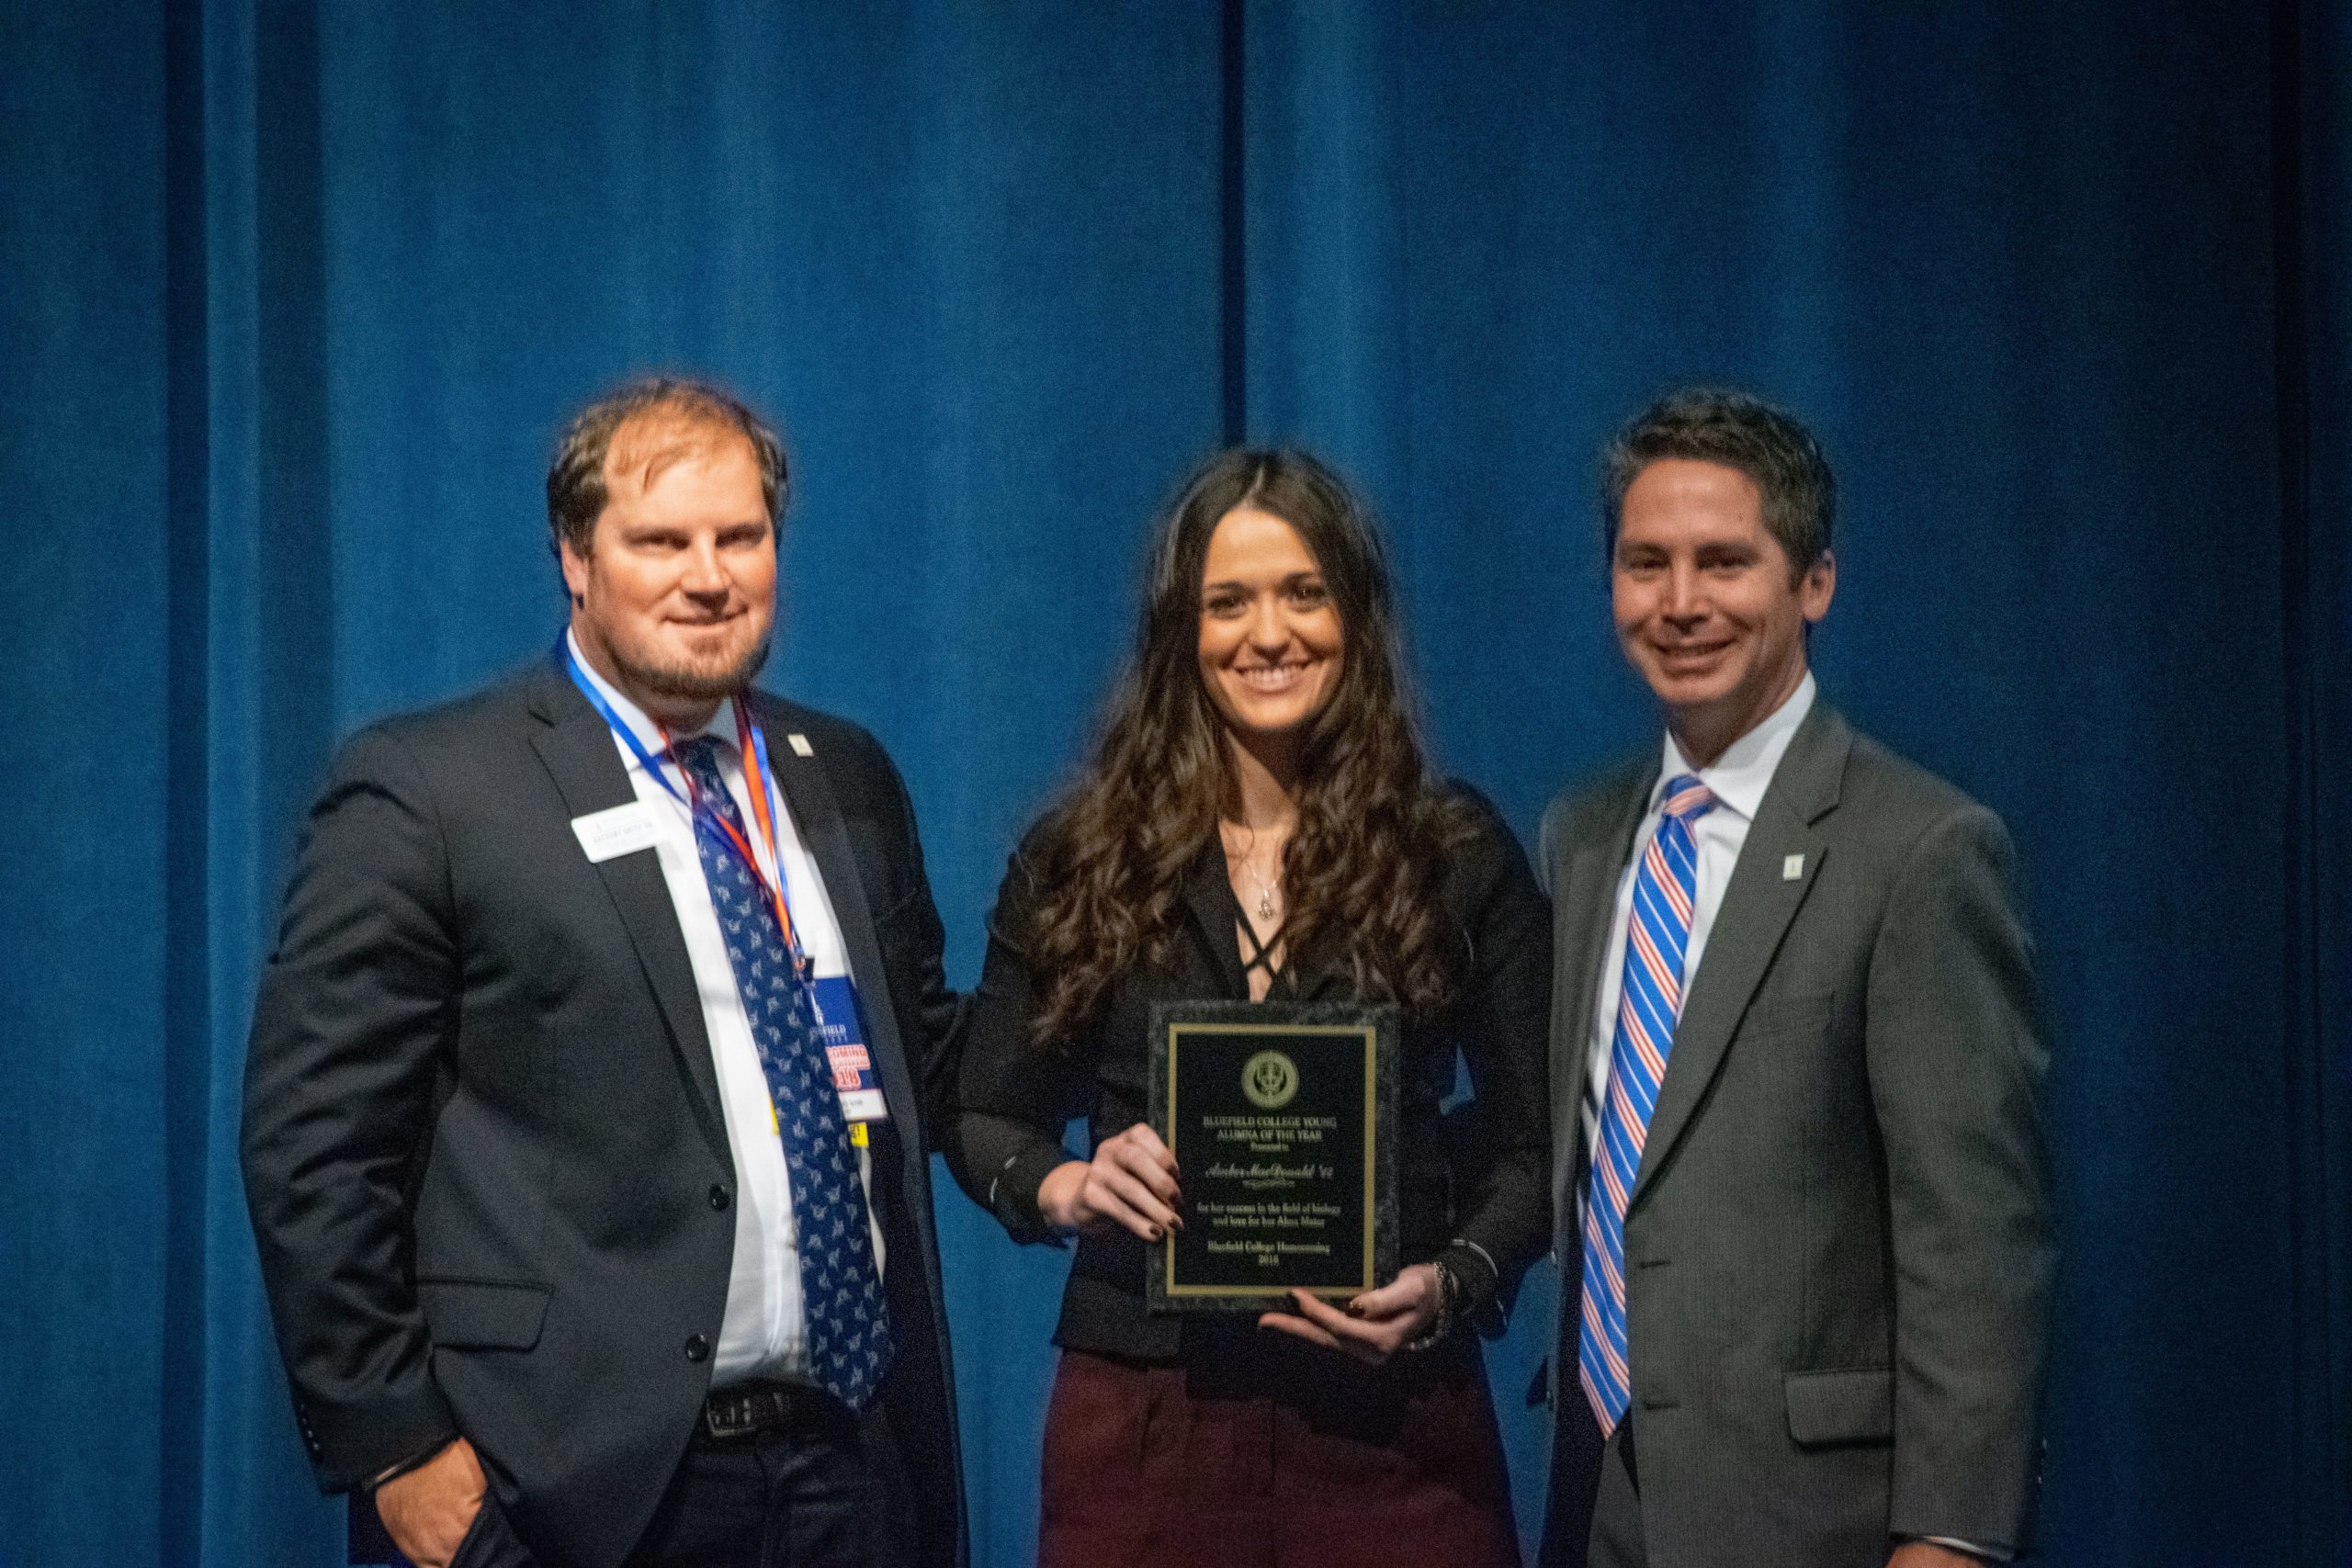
(1801, 1189)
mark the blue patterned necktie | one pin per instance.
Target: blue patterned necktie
(841, 1289)
(1657, 937)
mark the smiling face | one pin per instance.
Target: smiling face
(675, 597)
(1270, 644)
(1707, 607)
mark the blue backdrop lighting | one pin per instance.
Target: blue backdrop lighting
(293, 299)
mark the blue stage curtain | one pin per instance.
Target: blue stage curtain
(296, 299)
(2315, 138)
(293, 299)
(2017, 265)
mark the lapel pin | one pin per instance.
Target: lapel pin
(801, 747)
(1791, 868)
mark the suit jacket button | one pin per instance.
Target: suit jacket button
(697, 1347)
(717, 1196)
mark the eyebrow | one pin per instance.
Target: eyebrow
(1310, 575)
(647, 526)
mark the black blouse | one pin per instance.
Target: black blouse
(1472, 1181)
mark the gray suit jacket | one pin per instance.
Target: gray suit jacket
(1838, 1248)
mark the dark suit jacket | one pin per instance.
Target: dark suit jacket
(1839, 1249)
(483, 1147)
(1477, 1175)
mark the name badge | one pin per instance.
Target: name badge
(622, 830)
(844, 1031)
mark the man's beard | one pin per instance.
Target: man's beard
(691, 683)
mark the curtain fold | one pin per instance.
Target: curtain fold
(2316, 358)
(83, 1231)
(293, 299)
(2016, 264)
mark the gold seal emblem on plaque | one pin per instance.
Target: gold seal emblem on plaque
(1270, 1079)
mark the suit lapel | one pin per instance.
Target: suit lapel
(577, 748)
(1585, 891)
(1758, 903)
(817, 816)
(1588, 885)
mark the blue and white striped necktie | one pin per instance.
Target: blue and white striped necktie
(1666, 889)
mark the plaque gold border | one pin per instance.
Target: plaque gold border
(1370, 1035)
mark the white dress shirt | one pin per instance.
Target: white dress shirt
(1737, 779)
(763, 1334)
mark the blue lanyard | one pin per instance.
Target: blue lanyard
(758, 745)
(652, 766)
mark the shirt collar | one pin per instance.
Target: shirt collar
(1742, 775)
(720, 725)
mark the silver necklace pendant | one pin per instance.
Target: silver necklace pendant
(1265, 891)
(1265, 888)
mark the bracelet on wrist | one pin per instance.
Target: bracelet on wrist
(1450, 1295)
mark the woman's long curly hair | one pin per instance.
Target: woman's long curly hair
(1364, 868)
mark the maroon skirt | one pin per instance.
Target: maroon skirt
(1275, 1457)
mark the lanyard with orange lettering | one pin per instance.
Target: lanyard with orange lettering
(757, 777)
(752, 747)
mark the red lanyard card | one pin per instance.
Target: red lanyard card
(844, 1031)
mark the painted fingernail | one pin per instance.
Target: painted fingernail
(1154, 1233)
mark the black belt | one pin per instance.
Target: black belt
(742, 1410)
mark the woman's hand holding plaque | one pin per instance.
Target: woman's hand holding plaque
(1375, 1325)
(1130, 1183)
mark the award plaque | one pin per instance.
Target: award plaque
(1282, 1120)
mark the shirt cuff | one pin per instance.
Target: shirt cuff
(1989, 1554)
(417, 1460)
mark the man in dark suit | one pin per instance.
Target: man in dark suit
(1802, 1196)
(586, 1109)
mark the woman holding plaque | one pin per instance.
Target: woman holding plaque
(1258, 822)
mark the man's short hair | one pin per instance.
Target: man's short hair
(576, 475)
(1714, 426)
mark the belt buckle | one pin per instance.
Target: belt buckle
(740, 1413)
(727, 1415)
